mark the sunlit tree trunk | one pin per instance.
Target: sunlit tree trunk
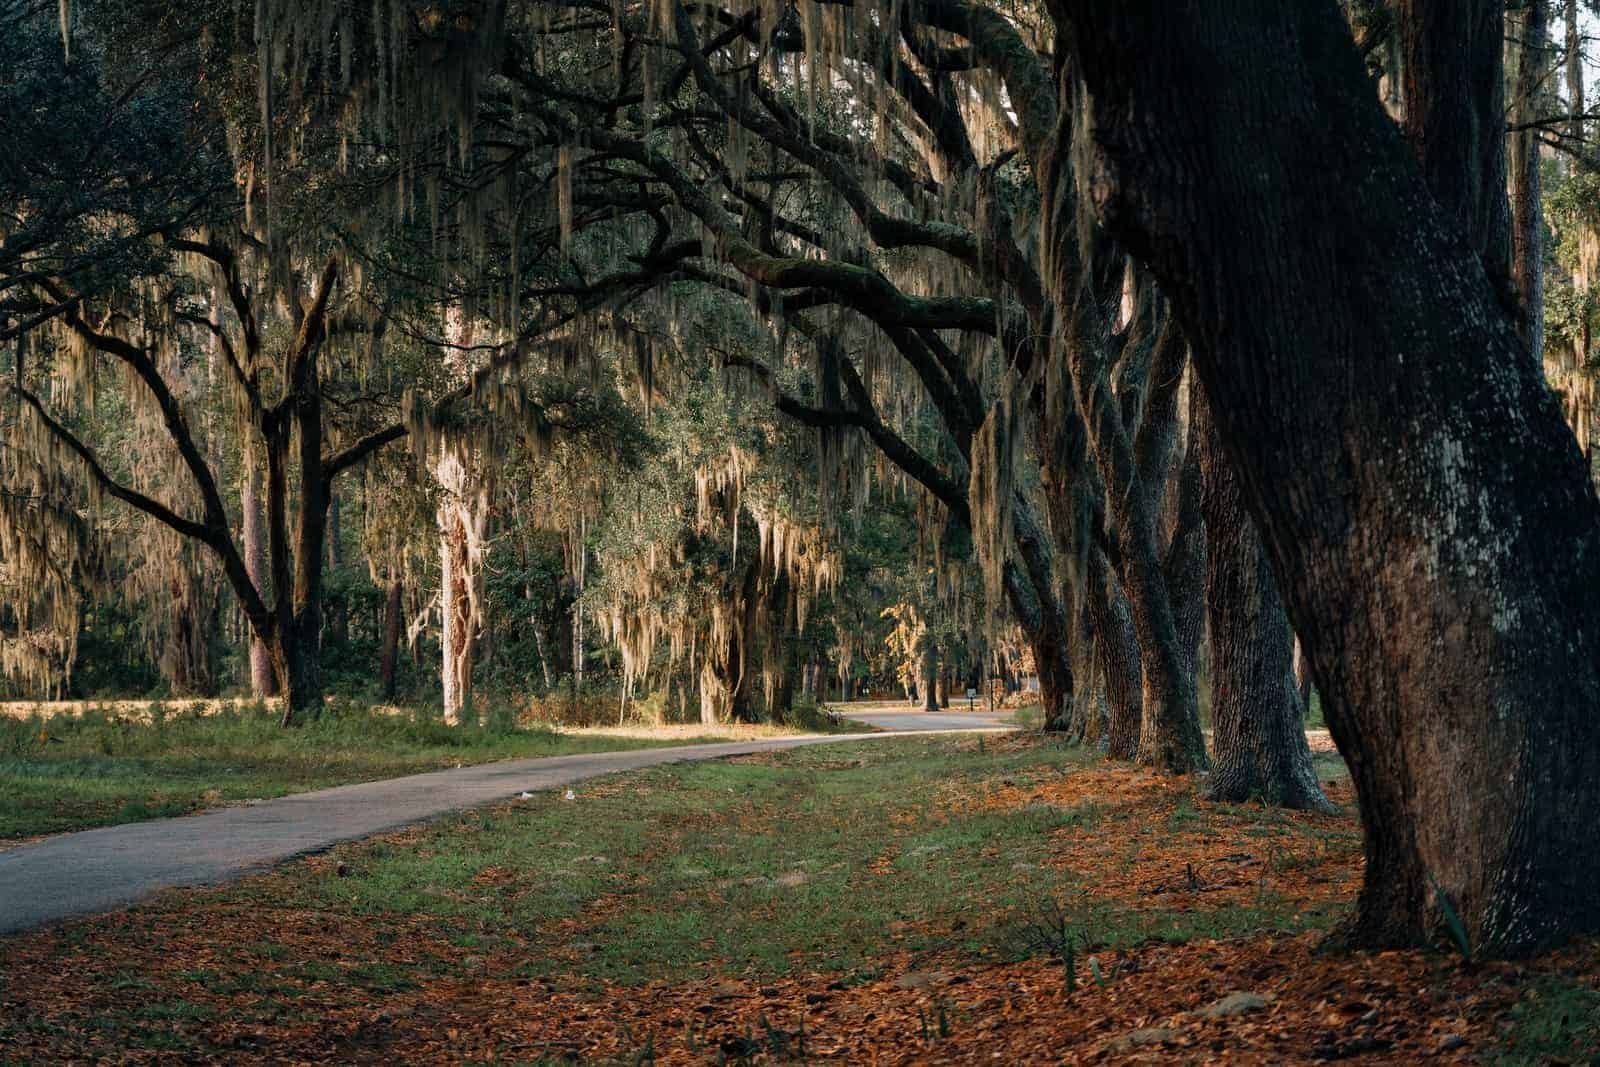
(462, 520)
(1302, 676)
(455, 622)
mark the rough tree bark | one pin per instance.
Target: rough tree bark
(1426, 509)
(1258, 742)
(1452, 92)
(1088, 282)
(1119, 657)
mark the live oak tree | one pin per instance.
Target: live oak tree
(1425, 508)
(978, 245)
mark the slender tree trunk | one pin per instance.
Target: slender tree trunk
(1258, 736)
(304, 630)
(929, 680)
(391, 641)
(1527, 209)
(263, 680)
(1574, 73)
(579, 577)
(1302, 676)
(455, 643)
(538, 644)
(1427, 512)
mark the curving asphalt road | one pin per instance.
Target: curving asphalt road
(98, 870)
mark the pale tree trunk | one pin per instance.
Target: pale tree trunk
(716, 695)
(263, 680)
(457, 616)
(1259, 749)
(929, 680)
(1428, 515)
(1527, 215)
(538, 643)
(1302, 676)
(463, 517)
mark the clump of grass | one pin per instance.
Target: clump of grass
(1556, 1021)
(1053, 930)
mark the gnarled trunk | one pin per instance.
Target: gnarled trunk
(1118, 647)
(1258, 741)
(1427, 512)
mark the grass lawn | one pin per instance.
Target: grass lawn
(74, 772)
(997, 899)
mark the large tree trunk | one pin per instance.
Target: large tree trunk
(1426, 509)
(1258, 741)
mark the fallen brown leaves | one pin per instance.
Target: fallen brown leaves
(1258, 1000)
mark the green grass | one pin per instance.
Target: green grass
(70, 773)
(819, 859)
(1557, 1021)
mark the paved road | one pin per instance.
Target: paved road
(901, 719)
(98, 870)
